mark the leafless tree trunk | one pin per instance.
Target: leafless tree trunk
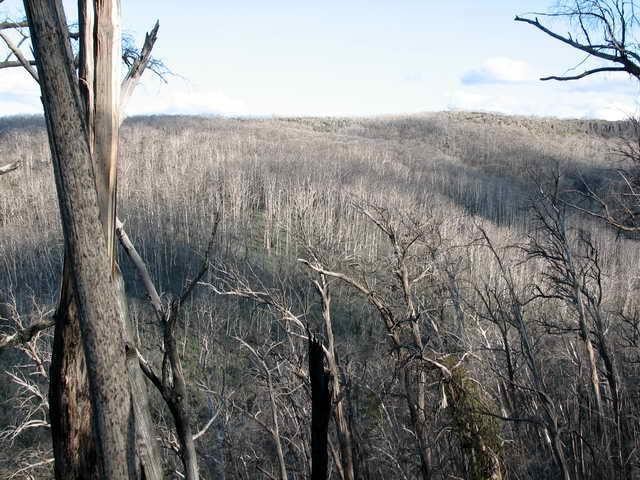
(99, 308)
(172, 386)
(320, 410)
(555, 250)
(171, 383)
(99, 85)
(403, 327)
(550, 421)
(275, 429)
(338, 397)
(576, 278)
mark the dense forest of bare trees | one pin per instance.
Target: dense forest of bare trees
(430, 297)
(481, 311)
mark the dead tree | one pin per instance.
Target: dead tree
(274, 428)
(98, 306)
(229, 282)
(173, 387)
(550, 420)
(97, 100)
(604, 31)
(337, 390)
(601, 29)
(618, 204)
(404, 332)
(320, 410)
(574, 275)
(29, 378)
(403, 314)
(171, 383)
(568, 279)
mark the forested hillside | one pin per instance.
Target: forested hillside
(477, 322)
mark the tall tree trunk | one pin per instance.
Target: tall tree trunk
(413, 392)
(338, 398)
(99, 82)
(69, 405)
(179, 398)
(624, 445)
(98, 306)
(320, 411)
(70, 408)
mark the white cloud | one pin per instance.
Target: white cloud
(510, 92)
(181, 97)
(544, 99)
(511, 86)
(499, 70)
(20, 94)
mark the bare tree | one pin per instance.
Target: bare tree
(337, 390)
(569, 280)
(29, 378)
(96, 99)
(171, 383)
(513, 313)
(99, 308)
(401, 306)
(320, 410)
(603, 30)
(618, 203)
(574, 275)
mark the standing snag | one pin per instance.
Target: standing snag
(99, 308)
(93, 96)
(320, 410)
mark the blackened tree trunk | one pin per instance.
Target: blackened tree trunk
(69, 405)
(320, 410)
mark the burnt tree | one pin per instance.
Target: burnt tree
(91, 116)
(320, 410)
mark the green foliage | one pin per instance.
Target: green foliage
(477, 431)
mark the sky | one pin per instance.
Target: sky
(348, 58)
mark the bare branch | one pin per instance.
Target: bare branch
(206, 427)
(138, 66)
(147, 369)
(31, 466)
(584, 74)
(24, 335)
(619, 53)
(27, 64)
(7, 25)
(141, 268)
(205, 261)
(14, 63)
(585, 48)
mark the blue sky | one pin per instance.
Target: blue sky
(350, 57)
